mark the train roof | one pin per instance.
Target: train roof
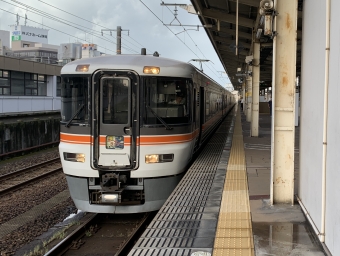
(168, 67)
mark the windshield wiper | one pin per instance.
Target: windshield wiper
(74, 116)
(167, 127)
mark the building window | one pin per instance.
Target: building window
(5, 88)
(58, 86)
(17, 83)
(20, 83)
(31, 87)
(35, 84)
(42, 85)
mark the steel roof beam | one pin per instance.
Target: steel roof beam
(232, 32)
(225, 17)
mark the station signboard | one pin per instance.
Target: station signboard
(31, 34)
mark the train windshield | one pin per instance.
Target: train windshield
(167, 100)
(74, 99)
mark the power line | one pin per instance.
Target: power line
(68, 23)
(168, 28)
(52, 28)
(171, 30)
(194, 44)
(85, 20)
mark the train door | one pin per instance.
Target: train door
(202, 111)
(115, 129)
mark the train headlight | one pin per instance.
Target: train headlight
(164, 158)
(151, 70)
(74, 157)
(110, 198)
(82, 68)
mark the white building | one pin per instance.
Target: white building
(27, 86)
(5, 44)
(31, 43)
(89, 51)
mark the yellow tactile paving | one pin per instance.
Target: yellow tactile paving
(236, 175)
(235, 185)
(234, 242)
(224, 216)
(234, 234)
(235, 224)
(234, 252)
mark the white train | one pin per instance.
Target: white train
(130, 126)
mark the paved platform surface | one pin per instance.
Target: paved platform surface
(189, 222)
(279, 229)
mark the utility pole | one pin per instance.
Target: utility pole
(119, 37)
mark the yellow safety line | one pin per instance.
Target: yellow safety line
(234, 234)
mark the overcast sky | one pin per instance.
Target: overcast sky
(84, 20)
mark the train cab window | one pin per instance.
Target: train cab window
(115, 100)
(74, 99)
(167, 100)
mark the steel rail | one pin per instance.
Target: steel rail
(26, 170)
(67, 242)
(19, 185)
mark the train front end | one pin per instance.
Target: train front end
(118, 153)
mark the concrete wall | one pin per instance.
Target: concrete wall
(15, 104)
(27, 131)
(333, 149)
(312, 93)
(8, 63)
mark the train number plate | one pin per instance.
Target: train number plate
(114, 142)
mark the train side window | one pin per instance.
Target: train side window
(74, 99)
(167, 98)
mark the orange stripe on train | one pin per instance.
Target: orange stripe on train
(74, 138)
(143, 140)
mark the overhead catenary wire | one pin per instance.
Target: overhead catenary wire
(68, 23)
(86, 32)
(88, 21)
(52, 28)
(167, 27)
(185, 30)
(93, 32)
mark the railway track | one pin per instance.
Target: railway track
(103, 234)
(15, 180)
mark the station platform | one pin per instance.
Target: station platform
(221, 206)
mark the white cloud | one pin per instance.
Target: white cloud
(144, 27)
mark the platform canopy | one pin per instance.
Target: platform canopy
(221, 18)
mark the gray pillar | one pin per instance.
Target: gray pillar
(249, 96)
(283, 100)
(244, 96)
(256, 91)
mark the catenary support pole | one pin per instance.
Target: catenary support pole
(119, 40)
